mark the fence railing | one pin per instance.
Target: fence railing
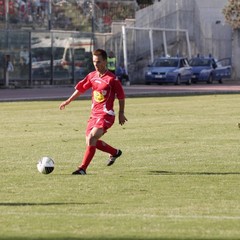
(46, 57)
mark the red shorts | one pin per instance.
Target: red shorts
(104, 122)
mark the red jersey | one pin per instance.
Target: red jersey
(104, 91)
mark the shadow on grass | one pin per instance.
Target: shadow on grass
(44, 204)
(193, 173)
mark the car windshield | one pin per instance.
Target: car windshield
(200, 62)
(165, 63)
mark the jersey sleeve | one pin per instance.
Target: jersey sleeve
(119, 89)
(84, 84)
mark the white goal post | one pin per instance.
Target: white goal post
(150, 31)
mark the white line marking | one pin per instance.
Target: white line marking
(122, 215)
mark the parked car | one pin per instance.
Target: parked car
(208, 69)
(169, 70)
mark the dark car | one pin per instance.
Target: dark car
(208, 69)
(169, 70)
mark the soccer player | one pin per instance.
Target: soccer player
(105, 87)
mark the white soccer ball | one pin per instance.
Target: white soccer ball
(45, 165)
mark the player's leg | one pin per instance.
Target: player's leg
(95, 129)
(104, 147)
(114, 153)
(91, 141)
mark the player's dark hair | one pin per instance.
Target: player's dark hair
(100, 52)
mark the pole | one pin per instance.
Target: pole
(93, 16)
(6, 70)
(125, 48)
(6, 13)
(6, 57)
(188, 45)
(177, 23)
(30, 59)
(165, 44)
(49, 15)
(151, 44)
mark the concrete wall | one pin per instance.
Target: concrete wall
(203, 20)
(236, 54)
(214, 34)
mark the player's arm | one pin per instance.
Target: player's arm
(80, 88)
(121, 100)
(75, 95)
(121, 117)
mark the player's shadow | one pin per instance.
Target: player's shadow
(45, 204)
(193, 173)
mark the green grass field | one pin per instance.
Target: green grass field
(178, 177)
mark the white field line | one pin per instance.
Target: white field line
(123, 215)
(206, 217)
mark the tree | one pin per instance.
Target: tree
(232, 13)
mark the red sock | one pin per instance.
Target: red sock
(88, 156)
(106, 148)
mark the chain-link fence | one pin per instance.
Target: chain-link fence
(44, 57)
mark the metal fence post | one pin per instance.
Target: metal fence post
(30, 59)
(125, 48)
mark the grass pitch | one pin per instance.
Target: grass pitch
(178, 177)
